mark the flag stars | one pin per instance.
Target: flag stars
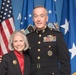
(9, 11)
(10, 7)
(4, 13)
(3, 17)
(6, 9)
(73, 50)
(1, 11)
(30, 15)
(25, 18)
(3, 3)
(7, 5)
(2, 7)
(8, 1)
(8, 15)
(65, 26)
(49, 11)
(21, 23)
(55, 0)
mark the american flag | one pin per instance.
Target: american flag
(6, 25)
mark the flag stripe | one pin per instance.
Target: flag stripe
(4, 37)
(3, 47)
(5, 31)
(1, 53)
(12, 23)
(9, 26)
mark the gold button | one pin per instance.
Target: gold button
(49, 46)
(39, 35)
(38, 50)
(39, 42)
(38, 57)
(52, 73)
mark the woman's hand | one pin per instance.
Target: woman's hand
(0, 58)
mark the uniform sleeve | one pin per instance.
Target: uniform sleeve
(3, 66)
(63, 55)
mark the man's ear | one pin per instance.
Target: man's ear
(47, 19)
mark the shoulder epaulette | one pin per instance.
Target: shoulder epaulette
(54, 26)
(54, 30)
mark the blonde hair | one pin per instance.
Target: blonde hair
(10, 45)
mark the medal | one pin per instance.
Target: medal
(49, 53)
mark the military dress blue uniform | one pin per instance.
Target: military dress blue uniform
(48, 52)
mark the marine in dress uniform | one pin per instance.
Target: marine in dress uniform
(48, 52)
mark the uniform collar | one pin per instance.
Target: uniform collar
(41, 31)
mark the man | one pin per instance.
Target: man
(48, 51)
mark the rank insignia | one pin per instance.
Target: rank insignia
(49, 53)
(14, 62)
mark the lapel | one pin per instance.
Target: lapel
(15, 63)
(26, 65)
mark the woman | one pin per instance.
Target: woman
(14, 62)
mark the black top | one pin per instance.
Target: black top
(10, 65)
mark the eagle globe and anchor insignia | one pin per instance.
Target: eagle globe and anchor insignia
(50, 53)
